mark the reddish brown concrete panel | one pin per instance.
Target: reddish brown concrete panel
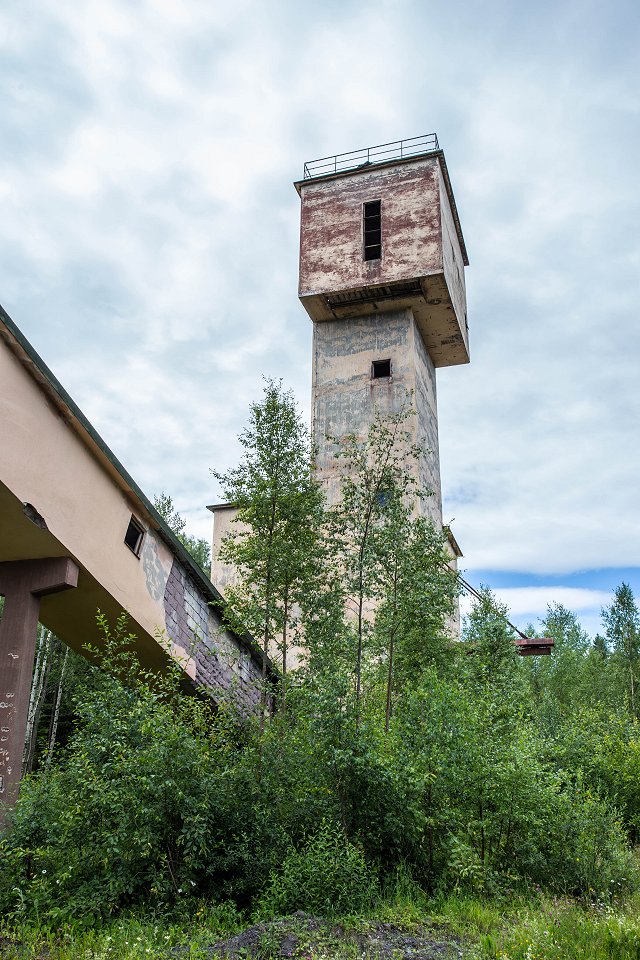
(421, 262)
(22, 583)
(331, 254)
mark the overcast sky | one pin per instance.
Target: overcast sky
(149, 240)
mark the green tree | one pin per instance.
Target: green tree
(373, 509)
(492, 654)
(622, 629)
(278, 523)
(197, 547)
(562, 681)
(417, 599)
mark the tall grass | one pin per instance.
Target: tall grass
(541, 928)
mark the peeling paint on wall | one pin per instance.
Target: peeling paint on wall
(346, 399)
(222, 666)
(155, 573)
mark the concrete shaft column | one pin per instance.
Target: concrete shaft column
(22, 583)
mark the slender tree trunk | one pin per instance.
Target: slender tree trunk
(267, 631)
(430, 831)
(38, 693)
(361, 556)
(387, 719)
(34, 697)
(53, 727)
(359, 659)
(361, 551)
(285, 618)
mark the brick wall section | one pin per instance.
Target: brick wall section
(224, 665)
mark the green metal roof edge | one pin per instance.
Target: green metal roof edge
(216, 598)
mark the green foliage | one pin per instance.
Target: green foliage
(622, 630)
(492, 656)
(327, 875)
(535, 927)
(198, 547)
(576, 673)
(499, 812)
(275, 547)
(366, 527)
(602, 748)
(397, 758)
(139, 806)
(562, 930)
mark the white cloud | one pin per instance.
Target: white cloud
(150, 235)
(533, 601)
(528, 605)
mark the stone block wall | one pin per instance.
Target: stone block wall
(222, 663)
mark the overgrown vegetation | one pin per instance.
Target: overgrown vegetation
(391, 752)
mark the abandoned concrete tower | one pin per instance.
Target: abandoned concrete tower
(382, 261)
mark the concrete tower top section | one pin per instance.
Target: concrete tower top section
(380, 231)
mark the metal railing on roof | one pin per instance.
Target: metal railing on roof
(383, 153)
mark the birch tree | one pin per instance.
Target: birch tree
(277, 527)
(375, 475)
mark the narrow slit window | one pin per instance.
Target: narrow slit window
(134, 535)
(380, 369)
(372, 229)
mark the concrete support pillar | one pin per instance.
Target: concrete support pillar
(22, 583)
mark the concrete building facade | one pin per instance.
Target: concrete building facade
(382, 260)
(77, 535)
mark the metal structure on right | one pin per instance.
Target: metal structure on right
(382, 260)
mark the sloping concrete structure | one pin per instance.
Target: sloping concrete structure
(63, 494)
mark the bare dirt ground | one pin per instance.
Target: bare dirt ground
(303, 936)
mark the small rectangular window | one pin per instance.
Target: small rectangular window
(134, 535)
(380, 369)
(372, 229)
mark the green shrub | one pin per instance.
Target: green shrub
(327, 875)
(140, 807)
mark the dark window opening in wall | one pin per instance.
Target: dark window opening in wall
(380, 369)
(383, 498)
(134, 535)
(372, 229)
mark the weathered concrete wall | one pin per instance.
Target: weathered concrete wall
(422, 253)
(426, 424)
(83, 500)
(221, 665)
(45, 463)
(346, 398)
(331, 242)
(222, 574)
(453, 262)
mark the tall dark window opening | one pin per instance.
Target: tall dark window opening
(133, 536)
(372, 230)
